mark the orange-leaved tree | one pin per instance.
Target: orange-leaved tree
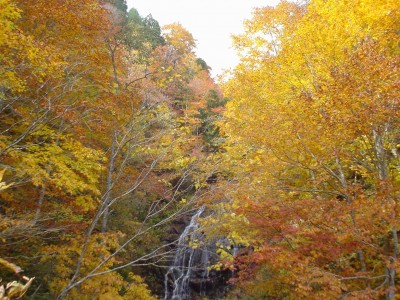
(312, 134)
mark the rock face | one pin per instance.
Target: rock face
(190, 276)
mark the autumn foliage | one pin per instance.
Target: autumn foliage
(312, 152)
(111, 128)
(93, 142)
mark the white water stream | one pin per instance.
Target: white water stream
(190, 257)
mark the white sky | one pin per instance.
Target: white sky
(211, 22)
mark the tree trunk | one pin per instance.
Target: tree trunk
(40, 204)
(380, 154)
(382, 168)
(109, 183)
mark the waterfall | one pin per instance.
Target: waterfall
(187, 261)
(189, 272)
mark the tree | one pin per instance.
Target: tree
(181, 39)
(11, 290)
(93, 137)
(312, 125)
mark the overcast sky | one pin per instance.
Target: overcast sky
(211, 22)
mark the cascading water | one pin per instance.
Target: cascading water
(189, 272)
(186, 261)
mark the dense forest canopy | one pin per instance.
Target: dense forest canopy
(113, 133)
